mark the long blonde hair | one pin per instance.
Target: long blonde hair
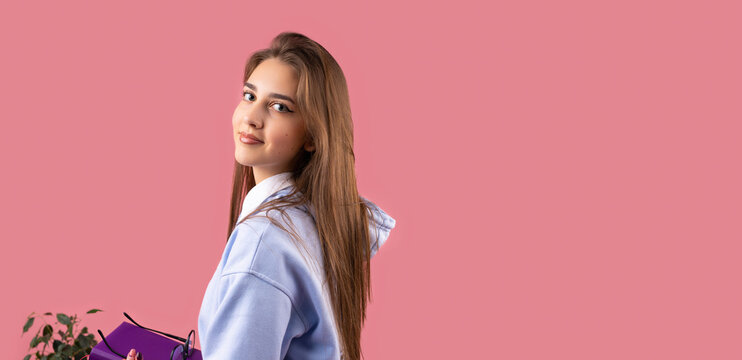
(325, 178)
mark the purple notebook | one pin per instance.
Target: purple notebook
(127, 336)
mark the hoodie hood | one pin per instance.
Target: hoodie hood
(380, 224)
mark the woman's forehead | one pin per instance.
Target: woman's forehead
(274, 76)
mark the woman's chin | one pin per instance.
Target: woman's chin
(242, 159)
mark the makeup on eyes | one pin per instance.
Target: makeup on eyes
(288, 110)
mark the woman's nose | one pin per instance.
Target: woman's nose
(253, 116)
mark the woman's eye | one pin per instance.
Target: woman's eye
(282, 107)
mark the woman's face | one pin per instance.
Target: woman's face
(268, 111)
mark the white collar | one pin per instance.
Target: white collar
(263, 190)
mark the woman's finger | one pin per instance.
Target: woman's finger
(132, 355)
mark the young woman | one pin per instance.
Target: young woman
(293, 281)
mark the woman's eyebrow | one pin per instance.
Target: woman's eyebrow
(277, 96)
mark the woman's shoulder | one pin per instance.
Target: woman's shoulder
(242, 246)
(261, 249)
(264, 243)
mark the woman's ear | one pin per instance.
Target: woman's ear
(309, 146)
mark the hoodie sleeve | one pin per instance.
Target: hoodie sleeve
(254, 319)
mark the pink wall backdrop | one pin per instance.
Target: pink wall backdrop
(565, 175)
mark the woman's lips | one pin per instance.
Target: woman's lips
(249, 139)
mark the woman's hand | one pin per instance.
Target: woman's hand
(133, 355)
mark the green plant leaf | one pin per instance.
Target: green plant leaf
(63, 319)
(68, 351)
(84, 330)
(27, 357)
(45, 339)
(57, 345)
(93, 342)
(35, 341)
(48, 313)
(78, 354)
(93, 311)
(48, 331)
(29, 322)
(83, 341)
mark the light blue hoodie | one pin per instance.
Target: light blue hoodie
(264, 301)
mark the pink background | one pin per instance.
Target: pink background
(565, 176)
